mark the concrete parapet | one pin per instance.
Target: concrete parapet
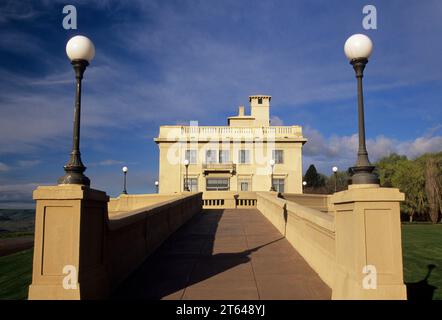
(135, 234)
(228, 199)
(316, 201)
(368, 235)
(273, 208)
(82, 252)
(70, 242)
(127, 202)
(356, 250)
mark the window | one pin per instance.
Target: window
(191, 156)
(193, 184)
(217, 184)
(259, 100)
(211, 156)
(278, 156)
(244, 156)
(224, 156)
(244, 184)
(278, 185)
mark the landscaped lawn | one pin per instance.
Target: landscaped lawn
(15, 275)
(422, 246)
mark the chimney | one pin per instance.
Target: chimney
(260, 109)
(241, 111)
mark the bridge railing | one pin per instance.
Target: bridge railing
(84, 247)
(321, 202)
(83, 250)
(229, 199)
(127, 202)
(354, 245)
(135, 234)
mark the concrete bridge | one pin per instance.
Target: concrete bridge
(217, 245)
(225, 254)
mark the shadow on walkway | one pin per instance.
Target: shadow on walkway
(224, 254)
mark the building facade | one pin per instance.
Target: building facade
(249, 154)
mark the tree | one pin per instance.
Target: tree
(386, 168)
(399, 172)
(433, 188)
(341, 178)
(419, 179)
(409, 178)
(313, 179)
(431, 164)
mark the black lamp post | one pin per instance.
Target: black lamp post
(335, 172)
(358, 49)
(124, 184)
(272, 165)
(186, 182)
(80, 51)
(157, 184)
(304, 183)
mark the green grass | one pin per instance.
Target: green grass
(15, 275)
(17, 220)
(422, 246)
(7, 235)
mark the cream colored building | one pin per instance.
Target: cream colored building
(236, 157)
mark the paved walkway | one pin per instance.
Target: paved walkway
(233, 254)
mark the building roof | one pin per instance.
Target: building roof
(259, 96)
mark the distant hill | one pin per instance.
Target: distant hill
(17, 220)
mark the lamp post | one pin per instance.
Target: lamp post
(80, 51)
(272, 165)
(335, 172)
(304, 183)
(358, 49)
(186, 181)
(124, 173)
(157, 184)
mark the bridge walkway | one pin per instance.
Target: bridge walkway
(232, 254)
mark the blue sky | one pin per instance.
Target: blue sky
(169, 62)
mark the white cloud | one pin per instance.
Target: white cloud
(276, 121)
(197, 72)
(31, 121)
(4, 167)
(419, 146)
(342, 150)
(17, 195)
(28, 163)
(11, 10)
(110, 162)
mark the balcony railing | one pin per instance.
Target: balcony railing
(209, 130)
(226, 166)
(229, 133)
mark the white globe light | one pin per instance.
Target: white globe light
(80, 48)
(304, 183)
(272, 162)
(156, 183)
(335, 169)
(125, 169)
(186, 162)
(358, 46)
